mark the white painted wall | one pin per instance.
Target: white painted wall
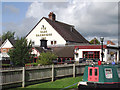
(80, 53)
(6, 44)
(55, 35)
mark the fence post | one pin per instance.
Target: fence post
(73, 70)
(52, 72)
(23, 77)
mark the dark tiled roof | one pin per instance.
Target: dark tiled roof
(66, 51)
(67, 31)
(40, 49)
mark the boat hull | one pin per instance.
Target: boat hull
(99, 85)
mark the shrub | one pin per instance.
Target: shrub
(46, 58)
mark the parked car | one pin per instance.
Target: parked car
(85, 60)
(69, 61)
(62, 62)
(82, 60)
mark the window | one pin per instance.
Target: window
(96, 72)
(90, 72)
(33, 42)
(96, 55)
(91, 54)
(118, 71)
(55, 42)
(51, 42)
(108, 73)
(63, 60)
(4, 50)
(59, 60)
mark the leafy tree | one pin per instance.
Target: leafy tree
(94, 41)
(8, 35)
(21, 53)
(46, 58)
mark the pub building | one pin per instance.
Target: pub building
(57, 36)
(55, 32)
(110, 52)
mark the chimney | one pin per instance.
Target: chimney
(52, 16)
(110, 42)
(43, 43)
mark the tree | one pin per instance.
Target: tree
(21, 53)
(46, 58)
(8, 35)
(94, 41)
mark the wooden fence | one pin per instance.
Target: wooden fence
(25, 74)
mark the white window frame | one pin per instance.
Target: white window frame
(108, 75)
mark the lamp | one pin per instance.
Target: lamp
(102, 39)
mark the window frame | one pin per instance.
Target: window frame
(110, 76)
(91, 54)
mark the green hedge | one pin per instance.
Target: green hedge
(34, 64)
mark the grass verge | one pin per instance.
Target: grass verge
(58, 84)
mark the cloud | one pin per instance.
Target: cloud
(20, 29)
(91, 19)
(10, 8)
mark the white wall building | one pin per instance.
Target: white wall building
(5, 47)
(94, 52)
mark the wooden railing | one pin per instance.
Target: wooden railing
(25, 74)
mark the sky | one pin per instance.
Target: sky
(89, 17)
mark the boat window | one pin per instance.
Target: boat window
(95, 72)
(108, 73)
(90, 72)
(118, 71)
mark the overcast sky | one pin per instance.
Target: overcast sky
(91, 19)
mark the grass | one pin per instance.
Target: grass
(60, 83)
(34, 64)
(57, 84)
(5, 64)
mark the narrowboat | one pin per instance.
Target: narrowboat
(101, 76)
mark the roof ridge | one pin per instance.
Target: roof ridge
(59, 22)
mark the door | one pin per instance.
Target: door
(93, 74)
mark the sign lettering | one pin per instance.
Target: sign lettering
(43, 32)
